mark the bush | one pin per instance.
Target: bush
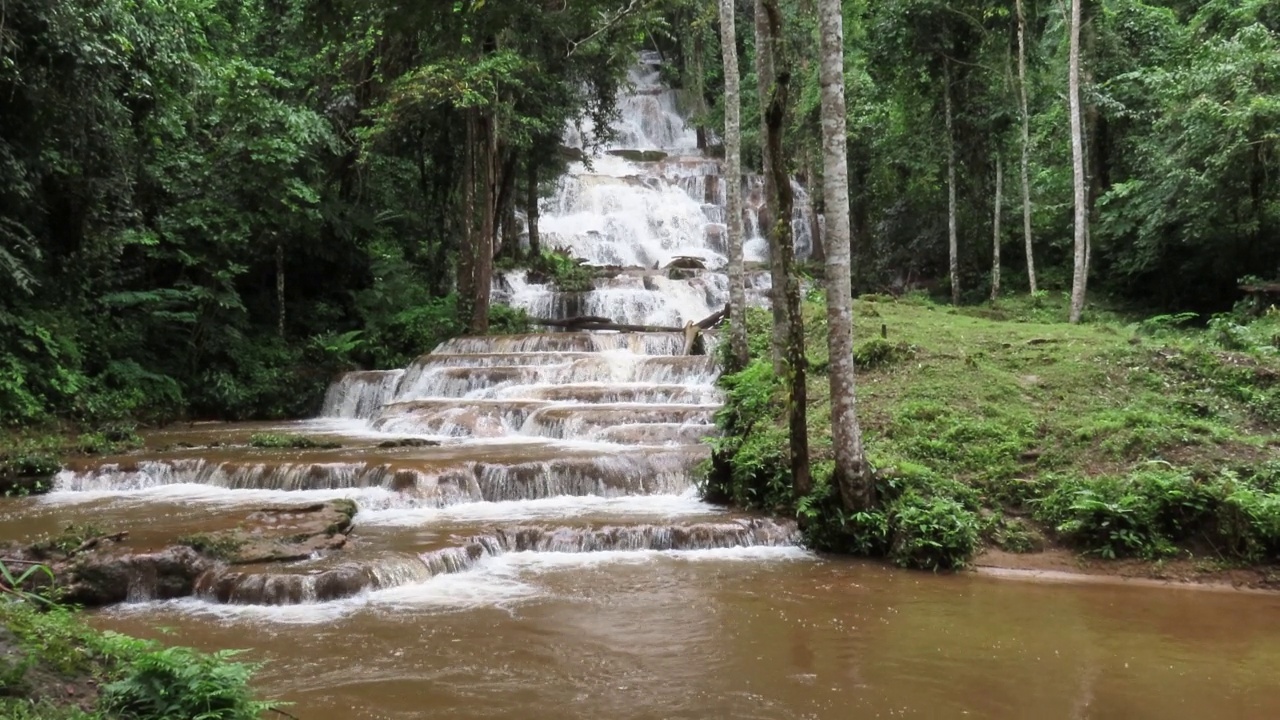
(182, 684)
(296, 442)
(142, 681)
(931, 532)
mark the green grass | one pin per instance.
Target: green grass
(1008, 411)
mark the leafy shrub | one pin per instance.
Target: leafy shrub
(1141, 514)
(506, 320)
(296, 442)
(182, 684)
(563, 270)
(879, 353)
(931, 532)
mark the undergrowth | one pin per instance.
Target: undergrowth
(46, 649)
(1000, 425)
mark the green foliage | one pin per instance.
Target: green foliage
(138, 679)
(879, 353)
(71, 538)
(181, 684)
(562, 270)
(14, 583)
(297, 442)
(931, 532)
(1151, 511)
(221, 546)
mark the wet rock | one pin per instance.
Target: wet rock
(279, 534)
(685, 262)
(640, 155)
(409, 442)
(102, 578)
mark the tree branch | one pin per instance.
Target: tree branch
(631, 8)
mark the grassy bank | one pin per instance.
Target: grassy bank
(1004, 427)
(55, 667)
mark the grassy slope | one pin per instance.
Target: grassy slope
(1038, 419)
(991, 400)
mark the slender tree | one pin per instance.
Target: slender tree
(531, 207)
(764, 87)
(1081, 269)
(795, 363)
(856, 489)
(995, 230)
(953, 242)
(733, 176)
(1026, 144)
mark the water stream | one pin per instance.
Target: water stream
(549, 557)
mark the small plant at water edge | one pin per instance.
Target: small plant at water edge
(296, 442)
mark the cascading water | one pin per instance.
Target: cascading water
(639, 203)
(571, 443)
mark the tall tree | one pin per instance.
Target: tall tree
(733, 176)
(995, 230)
(856, 489)
(1080, 272)
(953, 240)
(765, 51)
(794, 360)
(1025, 113)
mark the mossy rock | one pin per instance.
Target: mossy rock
(640, 155)
(408, 442)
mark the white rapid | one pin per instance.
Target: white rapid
(634, 206)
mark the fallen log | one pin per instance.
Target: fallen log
(713, 319)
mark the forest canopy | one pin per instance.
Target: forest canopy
(210, 206)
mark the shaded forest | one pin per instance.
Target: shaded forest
(209, 207)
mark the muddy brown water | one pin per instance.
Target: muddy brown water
(777, 636)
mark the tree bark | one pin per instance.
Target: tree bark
(953, 241)
(995, 230)
(467, 253)
(505, 207)
(280, 289)
(699, 93)
(483, 267)
(795, 364)
(531, 208)
(765, 41)
(1026, 145)
(733, 176)
(818, 253)
(1081, 269)
(857, 491)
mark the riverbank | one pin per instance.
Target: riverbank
(1002, 430)
(55, 667)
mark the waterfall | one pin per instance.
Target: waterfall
(593, 441)
(643, 200)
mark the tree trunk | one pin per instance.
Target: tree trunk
(699, 93)
(531, 208)
(1081, 270)
(484, 246)
(794, 353)
(995, 231)
(280, 289)
(467, 253)
(505, 207)
(857, 491)
(1026, 145)
(953, 242)
(818, 252)
(765, 40)
(733, 176)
